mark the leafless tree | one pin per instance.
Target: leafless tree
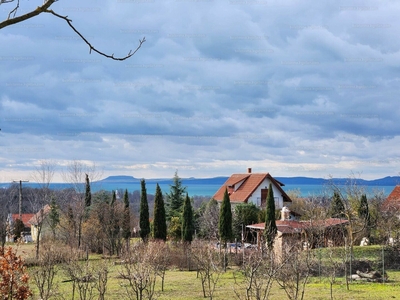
(139, 272)
(83, 277)
(208, 267)
(209, 221)
(295, 271)
(259, 273)
(46, 271)
(75, 174)
(161, 260)
(43, 176)
(102, 271)
(45, 7)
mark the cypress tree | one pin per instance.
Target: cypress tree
(144, 222)
(225, 219)
(88, 194)
(160, 222)
(54, 216)
(337, 207)
(363, 213)
(126, 221)
(187, 221)
(175, 198)
(270, 228)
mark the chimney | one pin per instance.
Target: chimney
(249, 170)
(285, 213)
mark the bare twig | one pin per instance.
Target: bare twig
(34, 13)
(13, 11)
(69, 21)
(45, 8)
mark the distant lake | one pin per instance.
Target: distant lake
(205, 189)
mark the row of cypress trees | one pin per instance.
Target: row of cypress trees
(185, 211)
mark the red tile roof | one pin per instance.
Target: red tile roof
(40, 215)
(393, 200)
(24, 218)
(292, 226)
(251, 181)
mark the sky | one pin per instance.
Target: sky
(289, 87)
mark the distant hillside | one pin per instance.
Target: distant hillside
(386, 181)
(119, 179)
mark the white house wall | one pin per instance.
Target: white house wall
(256, 196)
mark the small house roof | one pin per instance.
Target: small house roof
(40, 215)
(393, 200)
(293, 226)
(24, 218)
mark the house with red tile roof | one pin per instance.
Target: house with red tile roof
(393, 200)
(253, 188)
(312, 233)
(37, 221)
(10, 225)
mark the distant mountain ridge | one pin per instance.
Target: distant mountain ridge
(386, 181)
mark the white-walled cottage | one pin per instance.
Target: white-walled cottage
(253, 188)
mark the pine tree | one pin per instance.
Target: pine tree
(159, 223)
(363, 213)
(337, 209)
(126, 222)
(225, 219)
(175, 198)
(88, 194)
(270, 228)
(187, 221)
(144, 213)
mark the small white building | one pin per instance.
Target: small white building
(253, 188)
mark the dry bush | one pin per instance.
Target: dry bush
(142, 264)
(208, 262)
(258, 272)
(13, 276)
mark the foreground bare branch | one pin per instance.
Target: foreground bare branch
(45, 8)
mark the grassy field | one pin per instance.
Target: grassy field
(186, 285)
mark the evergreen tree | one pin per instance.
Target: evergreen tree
(175, 198)
(126, 222)
(88, 194)
(363, 213)
(19, 228)
(244, 214)
(270, 228)
(187, 221)
(337, 209)
(113, 228)
(54, 216)
(225, 219)
(144, 213)
(159, 223)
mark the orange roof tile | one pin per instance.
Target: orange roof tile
(40, 215)
(293, 226)
(24, 218)
(251, 181)
(393, 200)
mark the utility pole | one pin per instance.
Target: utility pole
(20, 197)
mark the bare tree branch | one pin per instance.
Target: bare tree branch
(69, 21)
(45, 9)
(24, 17)
(13, 11)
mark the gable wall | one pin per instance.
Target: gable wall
(256, 196)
